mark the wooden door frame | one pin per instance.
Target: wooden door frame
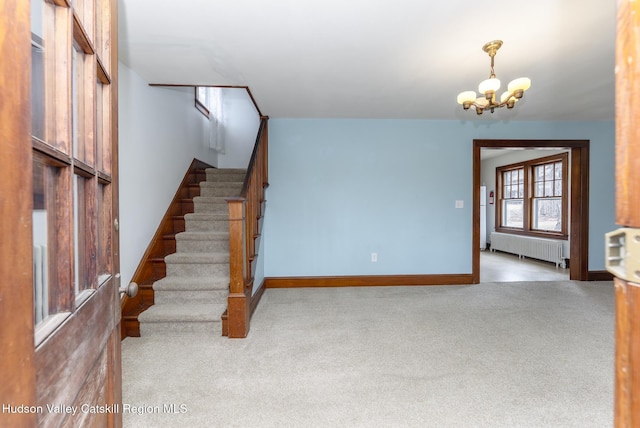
(578, 217)
(627, 333)
(17, 366)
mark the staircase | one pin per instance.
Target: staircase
(193, 295)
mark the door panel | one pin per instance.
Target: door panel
(16, 298)
(627, 380)
(60, 325)
(70, 359)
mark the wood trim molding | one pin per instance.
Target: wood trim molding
(579, 215)
(81, 37)
(367, 280)
(253, 100)
(527, 167)
(600, 275)
(17, 369)
(255, 298)
(62, 159)
(151, 266)
(103, 75)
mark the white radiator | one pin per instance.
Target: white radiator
(549, 250)
(40, 286)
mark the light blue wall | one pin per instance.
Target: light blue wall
(342, 189)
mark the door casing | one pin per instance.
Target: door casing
(578, 217)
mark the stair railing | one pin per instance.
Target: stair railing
(245, 214)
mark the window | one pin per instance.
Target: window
(546, 211)
(72, 137)
(532, 197)
(209, 102)
(45, 221)
(513, 198)
(202, 100)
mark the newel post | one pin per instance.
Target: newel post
(237, 304)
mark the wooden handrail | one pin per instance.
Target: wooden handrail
(245, 214)
(254, 156)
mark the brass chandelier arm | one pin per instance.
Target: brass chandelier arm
(509, 102)
(489, 87)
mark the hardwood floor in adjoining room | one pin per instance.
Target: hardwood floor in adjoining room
(503, 267)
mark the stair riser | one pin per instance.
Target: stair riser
(215, 191)
(197, 269)
(161, 329)
(194, 225)
(203, 246)
(210, 208)
(191, 296)
(225, 178)
(210, 200)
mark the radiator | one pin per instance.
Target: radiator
(549, 250)
(40, 285)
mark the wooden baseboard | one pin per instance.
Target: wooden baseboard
(600, 275)
(367, 280)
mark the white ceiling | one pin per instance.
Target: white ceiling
(380, 58)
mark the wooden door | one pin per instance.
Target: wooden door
(627, 380)
(59, 300)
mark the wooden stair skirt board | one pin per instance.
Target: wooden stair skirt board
(368, 281)
(152, 266)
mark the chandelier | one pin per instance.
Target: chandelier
(489, 87)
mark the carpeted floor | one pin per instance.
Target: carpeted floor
(488, 355)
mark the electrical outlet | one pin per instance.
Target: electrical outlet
(374, 257)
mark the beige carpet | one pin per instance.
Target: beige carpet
(489, 355)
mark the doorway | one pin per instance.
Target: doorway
(579, 206)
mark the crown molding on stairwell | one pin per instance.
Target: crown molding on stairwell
(367, 280)
(246, 88)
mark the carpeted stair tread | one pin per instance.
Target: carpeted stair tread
(206, 241)
(197, 258)
(192, 312)
(191, 283)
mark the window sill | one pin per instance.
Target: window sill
(547, 235)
